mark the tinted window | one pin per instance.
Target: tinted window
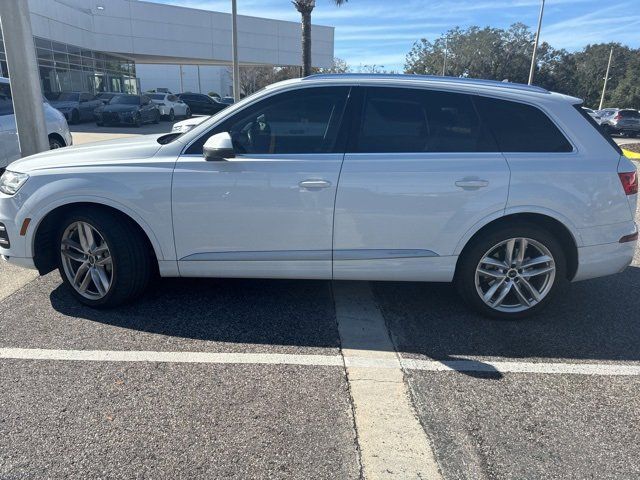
(158, 96)
(86, 97)
(413, 120)
(6, 102)
(521, 128)
(301, 121)
(172, 98)
(68, 97)
(598, 128)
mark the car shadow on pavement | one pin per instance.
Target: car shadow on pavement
(268, 312)
(591, 320)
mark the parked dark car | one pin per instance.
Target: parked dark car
(105, 97)
(128, 109)
(75, 106)
(201, 104)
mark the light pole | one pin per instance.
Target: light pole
(234, 47)
(25, 78)
(535, 45)
(444, 63)
(606, 79)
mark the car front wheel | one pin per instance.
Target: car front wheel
(103, 258)
(511, 272)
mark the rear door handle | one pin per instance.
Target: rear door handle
(471, 184)
(314, 184)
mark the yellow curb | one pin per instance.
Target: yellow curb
(630, 154)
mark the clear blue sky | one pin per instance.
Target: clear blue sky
(381, 32)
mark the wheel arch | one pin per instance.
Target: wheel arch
(559, 229)
(43, 236)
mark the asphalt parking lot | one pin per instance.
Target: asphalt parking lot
(308, 379)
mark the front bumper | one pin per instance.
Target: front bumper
(11, 219)
(116, 118)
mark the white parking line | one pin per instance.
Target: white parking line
(354, 359)
(171, 357)
(392, 442)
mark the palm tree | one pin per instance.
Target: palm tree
(305, 7)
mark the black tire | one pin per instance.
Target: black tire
(156, 117)
(172, 115)
(132, 260)
(187, 113)
(137, 120)
(75, 117)
(55, 143)
(465, 279)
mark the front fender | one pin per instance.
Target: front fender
(150, 209)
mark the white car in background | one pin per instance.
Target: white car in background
(170, 106)
(593, 114)
(186, 125)
(57, 128)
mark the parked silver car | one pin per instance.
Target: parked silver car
(622, 122)
(75, 106)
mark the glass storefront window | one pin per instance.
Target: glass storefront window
(65, 67)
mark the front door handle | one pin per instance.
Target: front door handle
(314, 184)
(471, 184)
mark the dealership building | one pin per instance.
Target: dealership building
(133, 45)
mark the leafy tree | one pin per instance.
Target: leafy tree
(305, 7)
(500, 54)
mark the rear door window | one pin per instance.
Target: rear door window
(403, 120)
(518, 127)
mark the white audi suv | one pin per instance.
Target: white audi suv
(509, 191)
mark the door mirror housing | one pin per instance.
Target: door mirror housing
(218, 147)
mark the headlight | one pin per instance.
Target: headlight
(10, 182)
(181, 128)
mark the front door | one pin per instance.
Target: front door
(420, 171)
(268, 212)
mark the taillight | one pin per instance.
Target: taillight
(617, 117)
(629, 182)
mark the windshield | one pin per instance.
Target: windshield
(157, 96)
(125, 100)
(67, 97)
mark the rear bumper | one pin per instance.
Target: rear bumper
(601, 260)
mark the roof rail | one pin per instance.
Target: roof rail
(430, 78)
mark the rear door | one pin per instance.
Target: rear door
(420, 171)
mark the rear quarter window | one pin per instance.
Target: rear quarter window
(519, 127)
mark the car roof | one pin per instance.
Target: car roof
(470, 85)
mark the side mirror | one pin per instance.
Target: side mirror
(218, 147)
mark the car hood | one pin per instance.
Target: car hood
(64, 104)
(120, 108)
(91, 154)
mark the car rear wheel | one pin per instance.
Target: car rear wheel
(172, 115)
(103, 259)
(511, 272)
(55, 143)
(188, 113)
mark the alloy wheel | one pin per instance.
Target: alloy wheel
(515, 275)
(86, 260)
